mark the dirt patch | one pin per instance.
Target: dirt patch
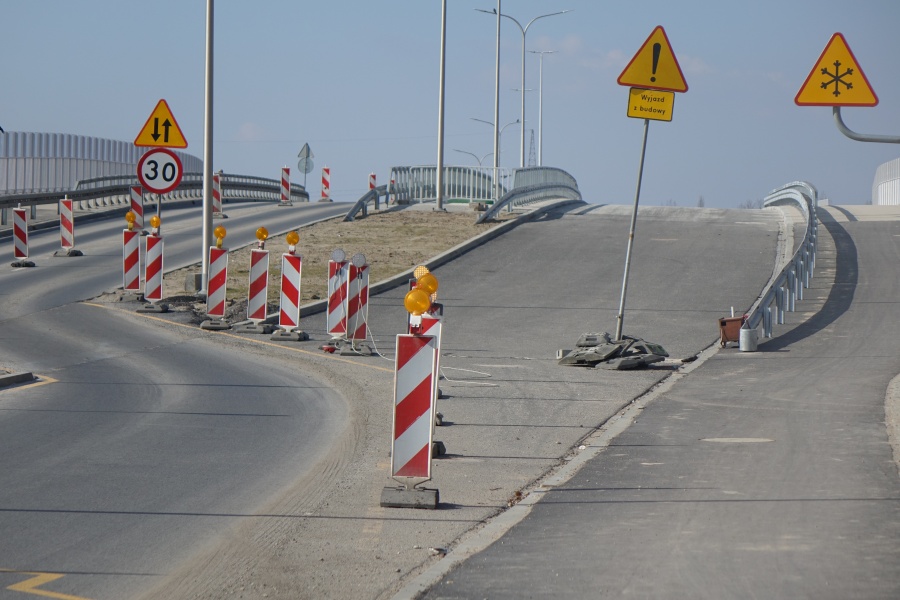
(392, 242)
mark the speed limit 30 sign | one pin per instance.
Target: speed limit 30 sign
(160, 170)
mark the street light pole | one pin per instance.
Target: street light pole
(440, 152)
(473, 155)
(499, 133)
(524, 31)
(207, 152)
(541, 105)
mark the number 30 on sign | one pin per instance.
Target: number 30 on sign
(159, 170)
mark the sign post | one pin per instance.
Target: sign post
(160, 169)
(653, 74)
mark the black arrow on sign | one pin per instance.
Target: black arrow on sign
(166, 124)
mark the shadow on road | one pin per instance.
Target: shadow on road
(839, 298)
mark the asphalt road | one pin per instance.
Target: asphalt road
(512, 414)
(144, 441)
(759, 475)
(58, 280)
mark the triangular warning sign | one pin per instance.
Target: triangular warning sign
(837, 79)
(161, 130)
(654, 66)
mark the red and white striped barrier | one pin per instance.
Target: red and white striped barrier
(413, 409)
(153, 269)
(20, 233)
(217, 194)
(336, 316)
(326, 183)
(371, 181)
(216, 280)
(357, 302)
(131, 260)
(137, 206)
(291, 269)
(286, 186)
(66, 224)
(259, 286)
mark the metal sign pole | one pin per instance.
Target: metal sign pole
(637, 196)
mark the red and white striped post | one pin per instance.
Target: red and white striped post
(217, 195)
(286, 187)
(291, 273)
(372, 180)
(289, 308)
(131, 260)
(153, 274)
(326, 185)
(20, 238)
(336, 315)
(413, 416)
(20, 233)
(257, 300)
(137, 206)
(216, 280)
(357, 299)
(66, 224)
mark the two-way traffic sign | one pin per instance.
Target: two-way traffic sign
(161, 130)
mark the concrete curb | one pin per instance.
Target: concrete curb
(14, 378)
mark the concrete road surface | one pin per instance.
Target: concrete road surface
(758, 475)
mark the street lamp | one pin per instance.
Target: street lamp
(541, 105)
(499, 134)
(475, 156)
(524, 30)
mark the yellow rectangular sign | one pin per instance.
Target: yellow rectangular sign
(650, 104)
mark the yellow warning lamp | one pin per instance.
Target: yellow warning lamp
(219, 232)
(429, 283)
(154, 223)
(417, 301)
(292, 238)
(262, 234)
(130, 217)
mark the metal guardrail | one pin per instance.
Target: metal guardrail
(362, 205)
(533, 185)
(461, 183)
(785, 288)
(116, 189)
(472, 185)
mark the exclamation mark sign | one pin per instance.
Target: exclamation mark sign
(656, 49)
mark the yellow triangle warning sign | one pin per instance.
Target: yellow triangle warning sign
(837, 79)
(161, 130)
(655, 67)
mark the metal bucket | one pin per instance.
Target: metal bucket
(749, 340)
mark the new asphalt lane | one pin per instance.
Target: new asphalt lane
(759, 475)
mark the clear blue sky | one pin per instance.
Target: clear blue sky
(358, 81)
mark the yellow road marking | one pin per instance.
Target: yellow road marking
(29, 586)
(243, 338)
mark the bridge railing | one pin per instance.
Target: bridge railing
(471, 185)
(786, 287)
(116, 190)
(534, 184)
(461, 184)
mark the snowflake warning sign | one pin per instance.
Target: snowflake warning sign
(836, 79)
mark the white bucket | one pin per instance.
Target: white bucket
(748, 340)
